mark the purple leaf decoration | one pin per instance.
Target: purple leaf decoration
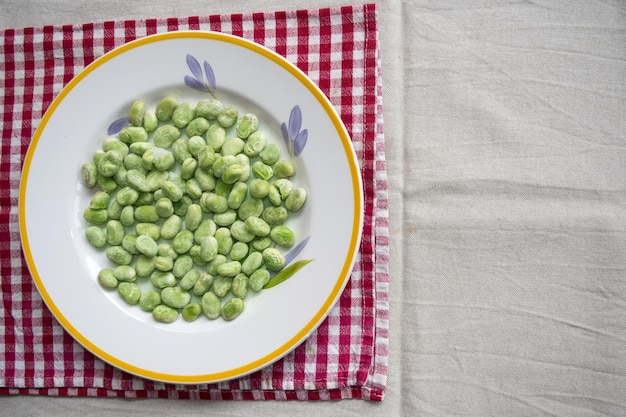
(193, 83)
(283, 129)
(117, 126)
(291, 255)
(300, 141)
(210, 76)
(195, 68)
(295, 121)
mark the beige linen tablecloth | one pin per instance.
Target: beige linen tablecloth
(506, 157)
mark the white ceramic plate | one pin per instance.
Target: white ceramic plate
(52, 199)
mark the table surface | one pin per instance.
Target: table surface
(506, 156)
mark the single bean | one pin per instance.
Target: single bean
(155, 179)
(188, 168)
(259, 188)
(149, 300)
(224, 240)
(195, 144)
(133, 134)
(165, 314)
(233, 174)
(212, 266)
(191, 311)
(227, 117)
(175, 297)
(106, 184)
(149, 229)
(189, 279)
(183, 114)
(172, 190)
(136, 179)
(271, 154)
(139, 148)
(183, 241)
(239, 251)
(233, 146)
(257, 226)
(150, 121)
(144, 199)
(163, 279)
(181, 206)
(205, 179)
(164, 207)
(209, 108)
(163, 263)
(216, 136)
(273, 196)
(206, 228)
(240, 232)
(89, 174)
(128, 243)
(118, 255)
(239, 287)
(126, 196)
(273, 259)
(193, 189)
(164, 161)
(182, 265)
(258, 279)
(222, 285)
(127, 216)
(223, 189)
(107, 279)
(100, 200)
(96, 236)
(237, 195)
(261, 243)
(144, 266)
(226, 218)
(296, 199)
(208, 248)
(114, 144)
(206, 157)
(252, 207)
(275, 215)
(115, 210)
(180, 150)
(129, 292)
(136, 112)
(193, 217)
(165, 108)
(229, 269)
(211, 202)
(125, 273)
(120, 176)
(115, 232)
(165, 249)
(197, 126)
(165, 135)
(146, 246)
(211, 306)
(284, 169)
(253, 262)
(247, 125)
(255, 144)
(203, 284)
(222, 163)
(284, 186)
(232, 308)
(146, 214)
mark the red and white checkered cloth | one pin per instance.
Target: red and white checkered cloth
(338, 49)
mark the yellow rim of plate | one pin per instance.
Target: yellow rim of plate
(356, 223)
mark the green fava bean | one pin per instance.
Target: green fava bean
(205, 179)
(165, 108)
(233, 174)
(203, 284)
(239, 251)
(261, 243)
(144, 199)
(96, 236)
(237, 195)
(172, 190)
(120, 176)
(164, 207)
(240, 232)
(233, 146)
(284, 186)
(208, 248)
(228, 117)
(106, 184)
(195, 144)
(183, 241)
(207, 228)
(180, 150)
(193, 189)
(211, 267)
(226, 218)
(229, 269)
(181, 206)
(222, 163)
(275, 215)
(139, 148)
(211, 306)
(252, 207)
(175, 297)
(253, 262)
(146, 214)
(114, 232)
(149, 229)
(165, 135)
(125, 273)
(255, 144)
(232, 308)
(273, 259)
(163, 263)
(223, 189)
(114, 144)
(129, 292)
(163, 279)
(144, 266)
(257, 226)
(115, 210)
(165, 249)
(126, 196)
(247, 125)
(133, 134)
(164, 314)
(128, 243)
(149, 300)
(136, 179)
(211, 202)
(118, 255)
(155, 179)
(191, 311)
(89, 174)
(193, 217)
(259, 188)
(164, 161)
(197, 127)
(296, 199)
(206, 157)
(239, 287)
(182, 265)
(209, 108)
(262, 171)
(273, 196)
(222, 285)
(189, 279)
(258, 279)
(188, 168)
(107, 279)
(136, 112)
(150, 121)
(284, 169)
(100, 200)
(171, 227)
(183, 114)
(270, 155)
(146, 246)
(215, 137)
(224, 240)
(127, 216)
(283, 236)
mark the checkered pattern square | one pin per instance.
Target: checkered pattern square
(346, 357)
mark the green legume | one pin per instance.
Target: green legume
(226, 218)
(274, 259)
(239, 251)
(146, 246)
(227, 117)
(212, 266)
(114, 144)
(222, 285)
(283, 236)
(165, 135)
(149, 229)
(229, 269)
(165, 108)
(150, 121)
(129, 292)
(224, 240)
(211, 306)
(296, 199)
(270, 155)
(136, 112)
(107, 279)
(163, 263)
(133, 134)
(191, 311)
(203, 284)
(100, 200)
(232, 308)
(164, 207)
(209, 108)
(125, 273)
(189, 280)
(182, 265)
(232, 146)
(89, 174)
(127, 216)
(175, 297)
(115, 232)
(96, 236)
(162, 279)
(165, 314)
(246, 125)
(239, 287)
(128, 243)
(240, 232)
(258, 279)
(252, 263)
(118, 255)
(257, 226)
(255, 144)
(180, 150)
(216, 136)
(149, 300)
(183, 114)
(193, 218)
(197, 126)
(144, 266)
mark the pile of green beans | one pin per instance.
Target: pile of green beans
(194, 199)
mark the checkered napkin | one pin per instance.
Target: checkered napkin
(338, 49)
